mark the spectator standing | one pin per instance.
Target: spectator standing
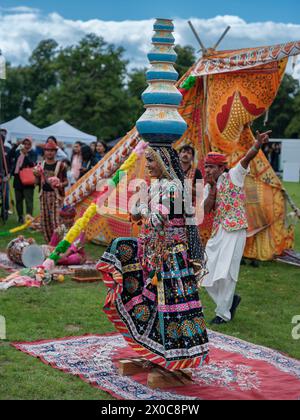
(93, 147)
(60, 155)
(76, 161)
(52, 177)
(25, 158)
(99, 152)
(87, 157)
(276, 151)
(5, 168)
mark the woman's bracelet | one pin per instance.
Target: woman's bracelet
(212, 192)
(255, 149)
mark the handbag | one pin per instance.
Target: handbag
(27, 177)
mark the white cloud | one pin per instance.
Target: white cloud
(19, 9)
(23, 27)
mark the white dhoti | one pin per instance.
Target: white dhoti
(225, 252)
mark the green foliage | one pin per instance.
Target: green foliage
(137, 84)
(89, 92)
(185, 58)
(283, 110)
(88, 84)
(15, 98)
(293, 129)
(85, 84)
(42, 75)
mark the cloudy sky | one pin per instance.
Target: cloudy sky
(129, 23)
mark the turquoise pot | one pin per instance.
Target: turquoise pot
(161, 122)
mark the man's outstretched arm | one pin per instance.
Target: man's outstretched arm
(261, 138)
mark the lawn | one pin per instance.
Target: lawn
(270, 296)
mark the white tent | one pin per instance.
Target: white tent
(64, 132)
(19, 127)
(289, 159)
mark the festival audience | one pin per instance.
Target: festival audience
(87, 160)
(272, 153)
(99, 152)
(76, 161)
(24, 181)
(5, 169)
(93, 146)
(23, 156)
(187, 160)
(61, 154)
(52, 177)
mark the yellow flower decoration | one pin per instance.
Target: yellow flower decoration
(81, 223)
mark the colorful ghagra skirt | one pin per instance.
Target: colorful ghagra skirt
(163, 324)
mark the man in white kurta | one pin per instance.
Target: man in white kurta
(224, 195)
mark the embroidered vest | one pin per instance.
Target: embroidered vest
(230, 210)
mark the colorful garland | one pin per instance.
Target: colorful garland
(82, 223)
(26, 225)
(187, 84)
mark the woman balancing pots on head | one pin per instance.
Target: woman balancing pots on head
(153, 297)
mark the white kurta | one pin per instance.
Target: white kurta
(224, 252)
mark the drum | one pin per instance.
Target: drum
(25, 252)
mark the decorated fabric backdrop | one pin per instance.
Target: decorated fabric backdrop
(234, 100)
(219, 109)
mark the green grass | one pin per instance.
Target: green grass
(270, 300)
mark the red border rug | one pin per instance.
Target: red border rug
(237, 370)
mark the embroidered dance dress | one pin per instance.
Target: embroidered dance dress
(153, 297)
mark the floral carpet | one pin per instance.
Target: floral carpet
(237, 370)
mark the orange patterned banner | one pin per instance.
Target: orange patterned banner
(219, 110)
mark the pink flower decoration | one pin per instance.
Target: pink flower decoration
(49, 265)
(140, 148)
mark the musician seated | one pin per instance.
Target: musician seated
(75, 255)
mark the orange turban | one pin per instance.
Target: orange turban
(214, 158)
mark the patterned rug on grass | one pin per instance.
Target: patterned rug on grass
(12, 267)
(237, 369)
(17, 279)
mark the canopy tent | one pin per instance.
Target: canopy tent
(112, 143)
(67, 133)
(19, 127)
(222, 94)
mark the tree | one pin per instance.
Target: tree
(137, 84)
(88, 85)
(14, 93)
(90, 91)
(293, 129)
(185, 59)
(25, 83)
(282, 110)
(42, 74)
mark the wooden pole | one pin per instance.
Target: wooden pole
(203, 48)
(222, 37)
